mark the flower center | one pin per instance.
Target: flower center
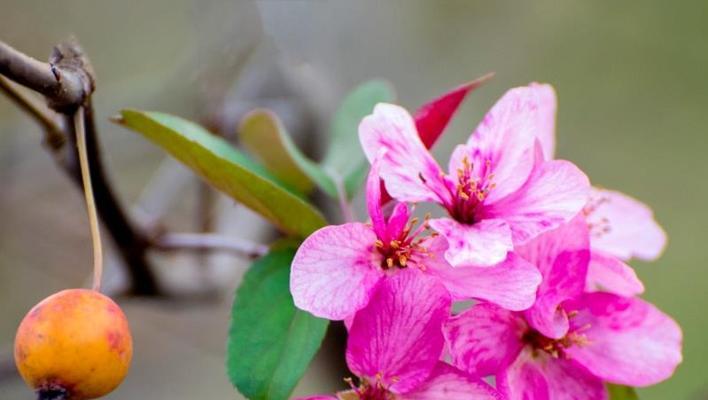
(401, 252)
(366, 391)
(469, 191)
(555, 347)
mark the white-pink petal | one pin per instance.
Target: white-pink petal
(630, 342)
(397, 337)
(409, 171)
(484, 243)
(624, 226)
(335, 270)
(555, 192)
(505, 139)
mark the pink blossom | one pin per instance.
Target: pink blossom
(622, 227)
(499, 190)
(396, 341)
(570, 342)
(610, 339)
(337, 268)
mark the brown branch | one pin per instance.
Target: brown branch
(67, 83)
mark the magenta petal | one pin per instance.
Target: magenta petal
(482, 244)
(335, 270)
(432, 118)
(398, 220)
(555, 192)
(398, 337)
(484, 339)
(408, 170)
(449, 383)
(562, 257)
(317, 397)
(541, 377)
(373, 199)
(607, 273)
(630, 342)
(511, 284)
(624, 227)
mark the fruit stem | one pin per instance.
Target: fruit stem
(90, 203)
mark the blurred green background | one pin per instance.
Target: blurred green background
(633, 93)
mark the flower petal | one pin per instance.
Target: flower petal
(625, 227)
(317, 397)
(630, 341)
(505, 138)
(449, 383)
(607, 273)
(373, 199)
(541, 377)
(484, 339)
(562, 257)
(511, 284)
(334, 271)
(548, 105)
(555, 192)
(409, 171)
(398, 337)
(432, 118)
(482, 244)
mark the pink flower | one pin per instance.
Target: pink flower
(337, 268)
(610, 339)
(396, 341)
(499, 191)
(622, 228)
(569, 343)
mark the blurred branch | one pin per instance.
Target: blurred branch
(67, 83)
(209, 241)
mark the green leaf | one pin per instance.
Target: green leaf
(227, 169)
(620, 392)
(345, 157)
(262, 133)
(271, 342)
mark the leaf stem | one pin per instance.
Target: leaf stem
(90, 203)
(344, 204)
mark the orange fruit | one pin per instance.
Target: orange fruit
(75, 344)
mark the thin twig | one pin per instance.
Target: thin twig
(54, 136)
(90, 203)
(209, 241)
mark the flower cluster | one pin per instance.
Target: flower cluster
(541, 252)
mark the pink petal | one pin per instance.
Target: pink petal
(484, 243)
(511, 284)
(540, 377)
(607, 273)
(546, 134)
(555, 192)
(407, 168)
(630, 342)
(334, 271)
(373, 199)
(317, 397)
(562, 257)
(484, 339)
(623, 226)
(398, 335)
(398, 220)
(432, 118)
(505, 138)
(449, 383)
